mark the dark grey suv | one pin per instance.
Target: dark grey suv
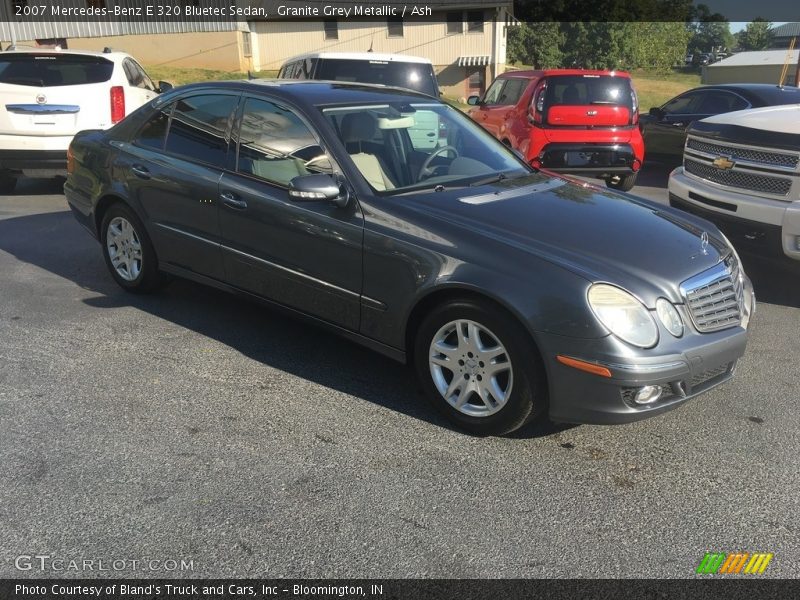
(513, 294)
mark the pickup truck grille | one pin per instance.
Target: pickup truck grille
(771, 159)
(715, 298)
(744, 180)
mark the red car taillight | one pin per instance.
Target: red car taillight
(117, 104)
(634, 107)
(537, 104)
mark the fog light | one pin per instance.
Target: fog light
(648, 394)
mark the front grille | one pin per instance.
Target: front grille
(707, 376)
(774, 159)
(766, 184)
(715, 299)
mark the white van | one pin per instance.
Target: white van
(396, 70)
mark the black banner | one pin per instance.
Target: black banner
(166, 11)
(746, 588)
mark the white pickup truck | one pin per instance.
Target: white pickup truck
(741, 170)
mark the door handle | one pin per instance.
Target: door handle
(679, 124)
(230, 199)
(140, 171)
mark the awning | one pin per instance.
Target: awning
(473, 61)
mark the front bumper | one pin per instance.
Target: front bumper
(688, 367)
(761, 225)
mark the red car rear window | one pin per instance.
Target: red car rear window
(585, 90)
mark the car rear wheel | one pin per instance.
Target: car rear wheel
(127, 250)
(478, 368)
(623, 183)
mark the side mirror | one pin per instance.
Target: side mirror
(164, 86)
(313, 188)
(474, 100)
(656, 112)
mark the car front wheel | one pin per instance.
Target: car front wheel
(127, 250)
(478, 368)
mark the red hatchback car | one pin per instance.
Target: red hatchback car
(567, 121)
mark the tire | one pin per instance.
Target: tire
(624, 183)
(128, 251)
(522, 381)
(7, 183)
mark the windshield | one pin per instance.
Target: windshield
(411, 75)
(410, 146)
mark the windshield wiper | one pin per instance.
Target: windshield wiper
(488, 180)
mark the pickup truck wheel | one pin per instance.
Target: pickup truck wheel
(478, 368)
(7, 183)
(623, 183)
(128, 251)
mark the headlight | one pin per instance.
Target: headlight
(623, 315)
(669, 317)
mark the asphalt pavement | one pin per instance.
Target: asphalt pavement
(217, 438)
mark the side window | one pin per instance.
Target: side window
(143, 78)
(198, 127)
(276, 146)
(681, 105)
(512, 91)
(152, 134)
(493, 93)
(714, 102)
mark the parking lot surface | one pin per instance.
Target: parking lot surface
(194, 426)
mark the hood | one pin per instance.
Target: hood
(598, 234)
(780, 119)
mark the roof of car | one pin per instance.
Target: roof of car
(44, 50)
(312, 92)
(360, 56)
(535, 74)
(766, 93)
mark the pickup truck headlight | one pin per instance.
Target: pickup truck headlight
(623, 315)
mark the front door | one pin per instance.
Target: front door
(305, 255)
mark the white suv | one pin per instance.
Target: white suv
(47, 96)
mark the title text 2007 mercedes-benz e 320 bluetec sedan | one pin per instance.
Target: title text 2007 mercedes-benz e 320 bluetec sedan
(513, 293)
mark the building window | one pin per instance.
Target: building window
(247, 49)
(395, 26)
(455, 22)
(331, 29)
(475, 79)
(475, 21)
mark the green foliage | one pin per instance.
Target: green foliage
(756, 36)
(710, 35)
(537, 44)
(654, 45)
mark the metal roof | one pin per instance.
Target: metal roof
(786, 30)
(757, 58)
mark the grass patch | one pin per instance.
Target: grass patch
(182, 75)
(655, 89)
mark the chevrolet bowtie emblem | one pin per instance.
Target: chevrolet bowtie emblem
(723, 162)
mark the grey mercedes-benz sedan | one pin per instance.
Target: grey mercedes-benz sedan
(513, 293)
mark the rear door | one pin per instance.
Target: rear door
(175, 178)
(588, 101)
(306, 255)
(53, 94)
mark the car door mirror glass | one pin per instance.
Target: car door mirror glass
(474, 100)
(315, 188)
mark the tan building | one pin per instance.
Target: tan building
(465, 41)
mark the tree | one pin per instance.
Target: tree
(756, 36)
(654, 45)
(536, 44)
